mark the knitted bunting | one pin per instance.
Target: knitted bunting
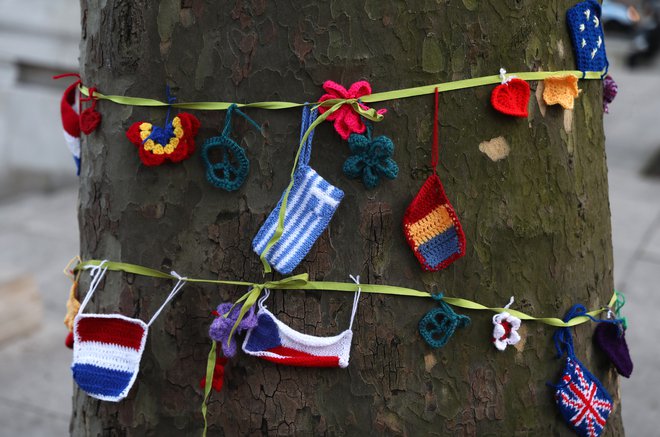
(106, 354)
(346, 121)
(561, 90)
(71, 122)
(274, 341)
(587, 36)
(108, 347)
(311, 204)
(232, 169)
(430, 223)
(511, 97)
(582, 400)
(370, 159)
(610, 90)
(438, 325)
(174, 142)
(611, 339)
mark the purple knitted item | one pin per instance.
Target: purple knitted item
(612, 340)
(221, 326)
(610, 89)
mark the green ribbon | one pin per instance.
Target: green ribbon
(208, 383)
(371, 98)
(301, 282)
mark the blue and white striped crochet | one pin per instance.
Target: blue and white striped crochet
(310, 206)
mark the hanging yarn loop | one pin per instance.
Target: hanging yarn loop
(504, 78)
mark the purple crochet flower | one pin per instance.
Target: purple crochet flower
(221, 326)
(610, 89)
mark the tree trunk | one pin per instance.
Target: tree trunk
(536, 222)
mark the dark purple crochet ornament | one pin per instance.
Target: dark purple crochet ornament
(611, 339)
(221, 326)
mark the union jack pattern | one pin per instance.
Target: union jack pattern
(582, 400)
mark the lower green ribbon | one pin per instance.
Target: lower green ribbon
(301, 282)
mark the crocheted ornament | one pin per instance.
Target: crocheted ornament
(582, 400)
(71, 122)
(430, 223)
(438, 325)
(511, 97)
(346, 120)
(611, 338)
(108, 347)
(587, 36)
(274, 341)
(221, 327)
(174, 142)
(610, 90)
(72, 306)
(68, 341)
(505, 331)
(370, 159)
(561, 90)
(311, 204)
(230, 172)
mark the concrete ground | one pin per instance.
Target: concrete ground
(39, 234)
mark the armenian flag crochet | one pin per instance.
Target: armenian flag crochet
(432, 227)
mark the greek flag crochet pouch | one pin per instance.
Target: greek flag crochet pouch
(582, 400)
(311, 204)
(432, 228)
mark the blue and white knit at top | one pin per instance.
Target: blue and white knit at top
(310, 206)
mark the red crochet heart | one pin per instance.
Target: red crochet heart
(511, 98)
(69, 340)
(89, 120)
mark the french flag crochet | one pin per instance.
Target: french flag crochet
(106, 354)
(432, 228)
(273, 341)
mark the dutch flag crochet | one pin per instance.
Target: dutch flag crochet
(106, 356)
(311, 204)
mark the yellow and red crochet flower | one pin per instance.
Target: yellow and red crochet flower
(174, 142)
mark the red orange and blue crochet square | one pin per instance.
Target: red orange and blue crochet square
(432, 227)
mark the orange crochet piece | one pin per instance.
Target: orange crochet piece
(72, 306)
(561, 90)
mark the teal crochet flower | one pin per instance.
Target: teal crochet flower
(370, 159)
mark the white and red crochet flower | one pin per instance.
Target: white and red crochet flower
(505, 331)
(346, 120)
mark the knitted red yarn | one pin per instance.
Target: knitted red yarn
(511, 98)
(183, 150)
(218, 375)
(89, 120)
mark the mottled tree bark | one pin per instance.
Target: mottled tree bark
(537, 221)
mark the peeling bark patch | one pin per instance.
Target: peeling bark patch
(495, 149)
(568, 120)
(470, 5)
(431, 55)
(430, 361)
(539, 97)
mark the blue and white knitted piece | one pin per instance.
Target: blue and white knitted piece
(587, 35)
(310, 206)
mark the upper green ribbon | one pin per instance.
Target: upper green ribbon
(371, 98)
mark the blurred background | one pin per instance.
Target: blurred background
(38, 198)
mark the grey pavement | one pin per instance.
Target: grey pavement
(39, 234)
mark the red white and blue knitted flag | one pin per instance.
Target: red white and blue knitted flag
(582, 400)
(106, 354)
